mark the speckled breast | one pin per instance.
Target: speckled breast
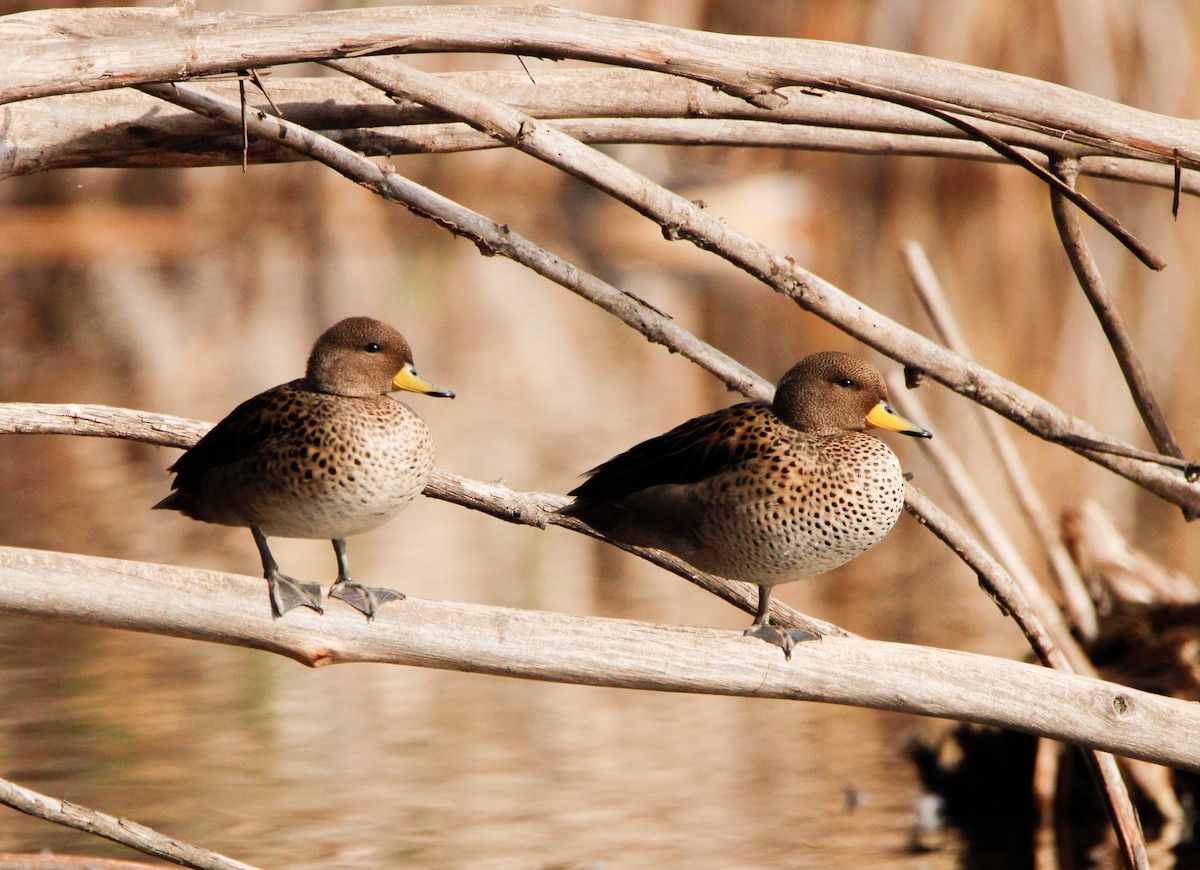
(801, 509)
(348, 467)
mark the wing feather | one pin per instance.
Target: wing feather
(691, 452)
(239, 435)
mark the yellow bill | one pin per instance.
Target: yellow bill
(408, 379)
(883, 417)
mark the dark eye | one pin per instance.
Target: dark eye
(846, 382)
(372, 347)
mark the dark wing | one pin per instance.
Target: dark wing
(237, 436)
(691, 452)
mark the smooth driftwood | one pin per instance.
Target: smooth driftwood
(232, 609)
(72, 51)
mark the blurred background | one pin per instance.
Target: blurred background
(186, 291)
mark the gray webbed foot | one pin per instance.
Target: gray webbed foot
(365, 599)
(287, 594)
(784, 638)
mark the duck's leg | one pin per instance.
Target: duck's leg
(286, 593)
(784, 638)
(362, 598)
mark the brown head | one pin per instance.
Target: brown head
(361, 357)
(835, 392)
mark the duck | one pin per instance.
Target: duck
(328, 455)
(763, 492)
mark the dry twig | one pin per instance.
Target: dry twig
(123, 831)
(1088, 274)
(1079, 603)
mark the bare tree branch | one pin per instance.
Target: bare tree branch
(125, 128)
(231, 609)
(72, 51)
(1052, 631)
(1043, 626)
(1088, 274)
(1057, 185)
(681, 218)
(523, 508)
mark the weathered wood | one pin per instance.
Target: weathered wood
(73, 51)
(125, 128)
(232, 609)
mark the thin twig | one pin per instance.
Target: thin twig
(1056, 184)
(119, 830)
(981, 515)
(257, 78)
(1092, 282)
(1070, 583)
(245, 132)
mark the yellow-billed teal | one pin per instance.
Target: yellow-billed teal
(763, 493)
(326, 456)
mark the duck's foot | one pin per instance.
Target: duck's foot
(784, 638)
(287, 594)
(365, 599)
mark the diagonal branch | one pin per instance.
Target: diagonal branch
(1074, 592)
(681, 218)
(1090, 279)
(490, 237)
(1056, 648)
(118, 830)
(1057, 185)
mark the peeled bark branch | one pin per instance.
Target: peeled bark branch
(125, 128)
(72, 51)
(232, 609)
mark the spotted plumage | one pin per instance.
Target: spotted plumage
(763, 493)
(326, 456)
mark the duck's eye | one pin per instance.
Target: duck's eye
(846, 382)
(372, 347)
